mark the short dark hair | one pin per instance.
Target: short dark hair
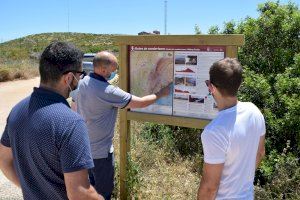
(226, 75)
(58, 58)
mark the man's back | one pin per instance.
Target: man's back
(98, 103)
(233, 138)
(47, 140)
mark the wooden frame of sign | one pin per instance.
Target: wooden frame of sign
(229, 42)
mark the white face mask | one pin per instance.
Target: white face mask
(72, 82)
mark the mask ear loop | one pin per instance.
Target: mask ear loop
(72, 81)
(69, 84)
(75, 78)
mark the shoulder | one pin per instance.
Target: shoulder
(214, 132)
(217, 125)
(251, 108)
(19, 107)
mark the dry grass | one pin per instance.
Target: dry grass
(18, 70)
(159, 176)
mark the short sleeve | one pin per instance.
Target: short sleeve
(261, 125)
(75, 151)
(5, 136)
(117, 97)
(214, 147)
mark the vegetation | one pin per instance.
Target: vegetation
(271, 60)
(165, 161)
(271, 56)
(19, 57)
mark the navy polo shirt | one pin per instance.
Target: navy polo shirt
(47, 139)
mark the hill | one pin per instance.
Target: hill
(19, 57)
(31, 46)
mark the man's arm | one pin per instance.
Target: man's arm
(78, 186)
(7, 165)
(141, 102)
(260, 151)
(210, 181)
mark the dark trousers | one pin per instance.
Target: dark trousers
(102, 175)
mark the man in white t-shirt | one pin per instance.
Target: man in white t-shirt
(234, 142)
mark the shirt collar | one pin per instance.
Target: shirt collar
(49, 94)
(98, 77)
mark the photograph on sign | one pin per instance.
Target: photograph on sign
(186, 67)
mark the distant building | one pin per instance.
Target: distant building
(155, 32)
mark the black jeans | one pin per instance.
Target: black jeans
(103, 175)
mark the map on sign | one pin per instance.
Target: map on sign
(186, 67)
(151, 71)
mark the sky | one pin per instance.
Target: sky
(19, 18)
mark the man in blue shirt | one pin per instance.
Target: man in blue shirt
(98, 103)
(45, 148)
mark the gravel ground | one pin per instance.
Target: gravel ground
(11, 93)
(8, 190)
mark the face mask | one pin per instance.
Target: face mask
(75, 87)
(112, 75)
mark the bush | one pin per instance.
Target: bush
(11, 70)
(4, 74)
(173, 139)
(133, 178)
(279, 175)
(271, 56)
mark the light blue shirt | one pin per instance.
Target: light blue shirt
(98, 103)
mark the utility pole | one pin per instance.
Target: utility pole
(68, 15)
(166, 4)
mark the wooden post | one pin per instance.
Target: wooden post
(124, 124)
(230, 41)
(231, 51)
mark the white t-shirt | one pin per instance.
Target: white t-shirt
(232, 138)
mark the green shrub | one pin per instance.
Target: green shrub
(173, 139)
(133, 178)
(279, 175)
(271, 56)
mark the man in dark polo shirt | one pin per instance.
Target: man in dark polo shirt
(45, 148)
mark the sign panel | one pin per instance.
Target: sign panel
(186, 67)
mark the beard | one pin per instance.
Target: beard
(74, 84)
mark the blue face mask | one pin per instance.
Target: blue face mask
(112, 75)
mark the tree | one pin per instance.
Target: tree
(229, 27)
(213, 30)
(197, 29)
(271, 52)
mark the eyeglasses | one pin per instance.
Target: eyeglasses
(82, 73)
(208, 83)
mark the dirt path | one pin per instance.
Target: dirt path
(10, 94)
